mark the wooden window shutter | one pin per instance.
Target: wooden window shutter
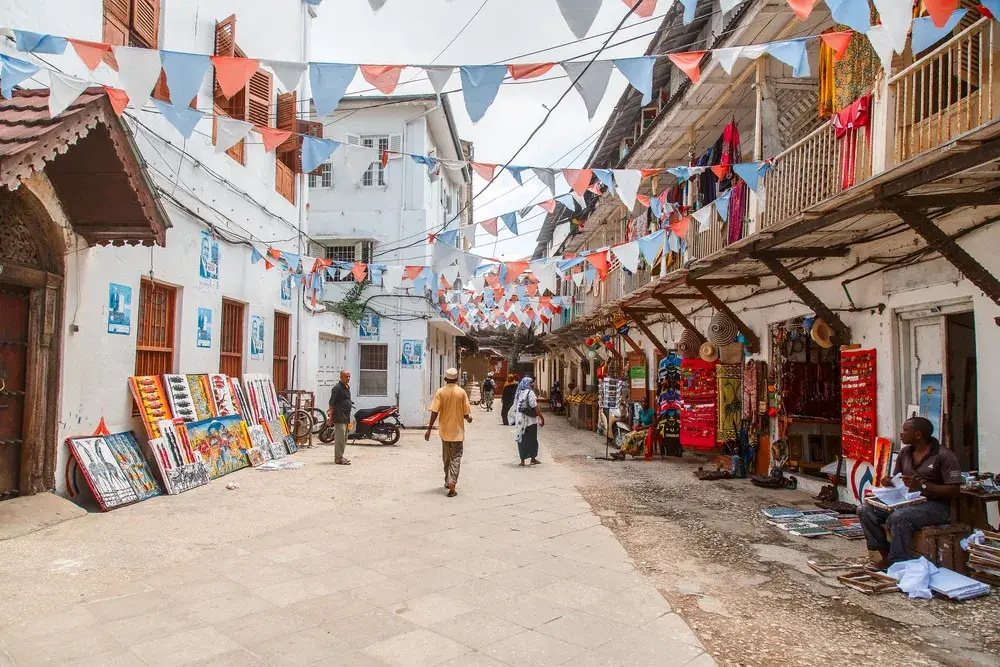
(260, 90)
(117, 15)
(285, 119)
(353, 139)
(120, 10)
(395, 146)
(313, 129)
(225, 45)
(146, 21)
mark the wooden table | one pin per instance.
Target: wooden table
(972, 507)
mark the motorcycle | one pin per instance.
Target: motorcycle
(556, 403)
(371, 424)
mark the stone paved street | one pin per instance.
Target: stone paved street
(517, 570)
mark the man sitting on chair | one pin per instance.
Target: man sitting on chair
(926, 466)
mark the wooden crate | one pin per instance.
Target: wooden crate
(941, 546)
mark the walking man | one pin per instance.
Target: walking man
(340, 415)
(489, 387)
(452, 403)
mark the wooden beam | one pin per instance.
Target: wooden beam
(800, 253)
(752, 342)
(632, 344)
(680, 297)
(938, 240)
(947, 200)
(809, 298)
(647, 331)
(723, 282)
(679, 316)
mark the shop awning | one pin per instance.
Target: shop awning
(445, 326)
(92, 162)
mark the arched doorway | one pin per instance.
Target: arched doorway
(31, 278)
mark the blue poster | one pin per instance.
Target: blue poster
(208, 262)
(119, 309)
(413, 353)
(256, 337)
(286, 288)
(204, 327)
(931, 386)
(369, 329)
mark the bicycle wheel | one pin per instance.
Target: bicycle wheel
(300, 424)
(319, 420)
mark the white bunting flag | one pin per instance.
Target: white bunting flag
(357, 159)
(63, 91)
(727, 57)
(546, 176)
(289, 73)
(703, 216)
(881, 44)
(627, 185)
(545, 272)
(393, 277)
(468, 264)
(579, 14)
(578, 278)
(896, 18)
(469, 234)
(592, 83)
(628, 255)
(450, 274)
(138, 70)
(438, 77)
(444, 255)
(229, 132)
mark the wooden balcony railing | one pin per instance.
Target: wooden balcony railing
(945, 93)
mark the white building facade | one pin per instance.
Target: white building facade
(194, 300)
(398, 354)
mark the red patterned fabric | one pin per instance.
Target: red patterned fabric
(698, 404)
(846, 125)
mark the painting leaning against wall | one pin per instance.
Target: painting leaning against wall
(221, 443)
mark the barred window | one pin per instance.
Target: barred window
(374, 369)
(350, 252)
(324, 177)
(375, 176)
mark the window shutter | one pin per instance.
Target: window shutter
(146, 21)
(395, 146)
(116, 22)
(119, 10)
(287, 114)
(260, 89)
(313, 129)
(353, 139)
(225, 45)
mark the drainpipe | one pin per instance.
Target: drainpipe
(302, 191)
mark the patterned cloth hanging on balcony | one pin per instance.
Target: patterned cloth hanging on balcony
(847, 125)
(841, 82)
(731, 154)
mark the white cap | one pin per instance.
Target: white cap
(451, 374)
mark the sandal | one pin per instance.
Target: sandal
(536, 462)
(342, 462)
(521, 464)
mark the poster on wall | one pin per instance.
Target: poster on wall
(286, 288)
(204, 327)
(637, 374)
(413, 353)
(256, 337)
(208, 266)
(931, 385)
(119, 309)
(369, 327)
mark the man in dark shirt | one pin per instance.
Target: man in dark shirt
(340, 415)
(489, 388)
(927, 467)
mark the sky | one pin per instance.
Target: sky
(417, 31)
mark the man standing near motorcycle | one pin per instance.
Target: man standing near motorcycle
(452, 403)
(489, 387)
(340, 415)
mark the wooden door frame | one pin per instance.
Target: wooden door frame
(40, 426)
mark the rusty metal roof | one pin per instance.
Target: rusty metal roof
(90, 157)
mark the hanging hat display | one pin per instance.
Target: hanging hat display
(687, 346)
(722, 330)
(708, 352)
(731, 353)
(822, 333)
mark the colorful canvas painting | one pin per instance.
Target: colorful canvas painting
(261, 399)
(126, 450)
(220, 442)
(147, 390)
(179, 395)
(177, 478)
(258, 437)
(104, 476)
(174, 434)
(239, 398)
(256, 456)
(275, 429)
(221, 395)
(278, 449)
(290, 444)
(198, 384)
(931, 386)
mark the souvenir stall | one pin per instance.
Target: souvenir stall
(668, 406)
(198, 428)
(804, 385)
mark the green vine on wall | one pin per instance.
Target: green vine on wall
(351, 306)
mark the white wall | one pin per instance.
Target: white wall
(96, 365)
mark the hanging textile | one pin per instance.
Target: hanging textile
(732, 154)
(698, 404)
(827, 69)
(668, 406)
(847, 125)
(730, 407)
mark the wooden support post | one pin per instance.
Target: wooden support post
(750, 338)
(632, 344)
(648, 332)
(808, 298)
(938, 240)
(679, 316)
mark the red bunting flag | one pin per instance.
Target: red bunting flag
(490, 225)
(646, 7)
(529, 71)
(803, 8)
(578, 179)
(272, 136)
(599, 260)
(689, 63)
(646, 173)
(514, 270)
(838, 41)
(118, 99)
(431, 238)
(940, 10)
(642, 199)
(90, 53)
(720, 171)
(384, 159)
(484, 169)
(549, 205)
(532, 289)
(595, 188)
(383, 77)
(359, 271)
(267, 265)
(492, 280)
(412, 272)
(984, 11)
(680, 228)
(233, 73)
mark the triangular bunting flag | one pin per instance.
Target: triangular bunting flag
(183, 118)
(516, 173)
(63, 91)
(413, 272)
(546, 176)
(138, 70)
(689, 9)
(316, 151)
(36, 42)
(628, 255)
(599, 260)
(627, 182)
(792, 52)
(468, 264)
(185, 74)
(802, 8)
(896, 18)
(272, 137)
(549, 205)
(443, 256)
(645, 8)
(703, 217)
(485, 170)
(118, 99)
(438, 76)
(357, 160)
(90, 53)
(749, 172)
(639, 72)
(359, 271)
(289, 73)
(384, 77)
(722, 205)
(680, 228)
(579, 14)
(689, 63)
(852, 13)
(329, 82)
(940, 11)
(727, 57)
(514, 270)
(529, 71)
(233, 73)
(605, 177)
(651, 245)
(926, 34)
(838, 41)
(590, 82)
(510, 221)
(720, 170)
(578, 179)
(480, 85)
(490, 226)
(229, 132)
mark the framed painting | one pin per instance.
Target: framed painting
(221, 395)
(278, 450)
(179, 395)
(151, 399)
(256, 456)
(177, 478)
(106, 479)
(221, 443)
(198, 384)
(126, 450)
(290, 444)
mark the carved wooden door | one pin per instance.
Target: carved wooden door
(13, 363)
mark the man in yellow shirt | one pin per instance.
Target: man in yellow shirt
(452, 403)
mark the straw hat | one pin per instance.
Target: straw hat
(687, 346)
(722, 330)
(822, 333)
(709, 352)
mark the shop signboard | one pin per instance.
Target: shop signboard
(637, 375)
